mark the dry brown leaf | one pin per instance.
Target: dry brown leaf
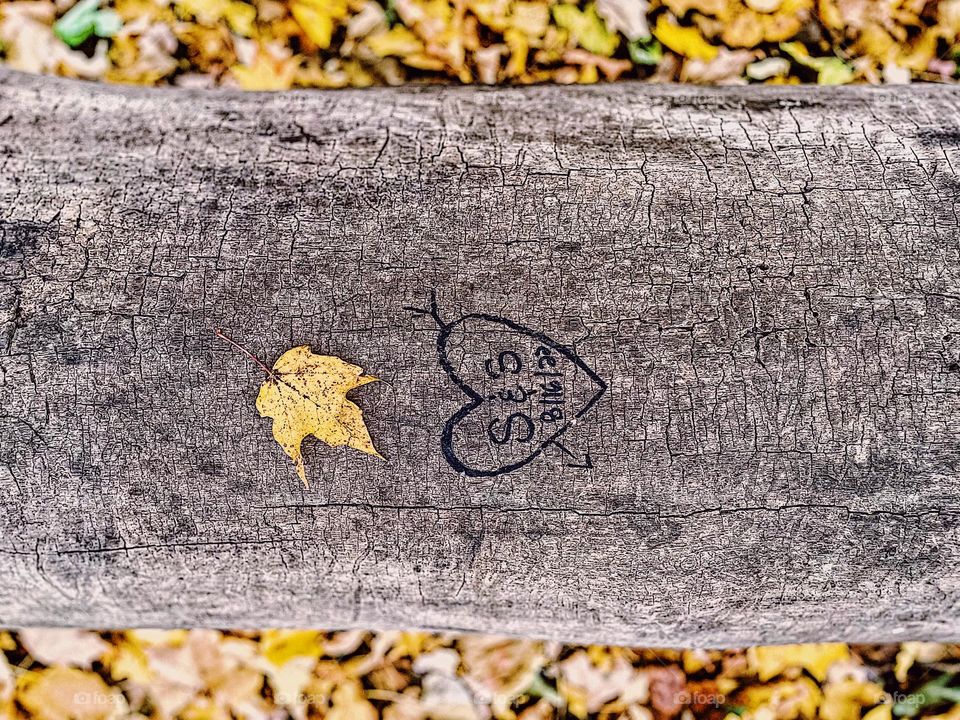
(596, 686)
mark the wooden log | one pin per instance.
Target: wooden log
(744, 304)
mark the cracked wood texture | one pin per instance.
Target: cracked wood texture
(766, 280)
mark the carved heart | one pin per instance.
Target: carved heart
(525, 391)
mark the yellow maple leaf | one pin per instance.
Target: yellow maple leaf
(306, 394)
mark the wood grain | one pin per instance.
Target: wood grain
(764, 282)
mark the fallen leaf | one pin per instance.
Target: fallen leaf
(834, 71)
(764, 6)
(343, 643)
(768, 68)
(769, 661)
(398, 41)
(8, 685)
(929, 695)
(593, 686)
(306, 394)
(912, 652)
(317, 18)
(587, 28)
(241, 16)
(266, 72)
(612, 68)
(787, 700)
(895, 75)
(281, 646)
(628, 17)
(29, 44)
(288, 682)
(686, 41)
(645, 52)
(85, 19)
(128, 661)
(695, 660)
(349, 703)
(488, 63)
(845, 700)
(62, 693)
(667, 689)
(880, 712)
(502, 668)
(530, 18)
(728, 66)
(830, 70)
(54, 646)
(445, 698)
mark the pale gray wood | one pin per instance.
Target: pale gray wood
(768, 280)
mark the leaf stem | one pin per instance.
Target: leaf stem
(219, 333)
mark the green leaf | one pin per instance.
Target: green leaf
(390, 13)
(833, 71)
(645, 52)
(932, 693)
(77, 23)
(830, 70)
(85, 19)
(540, 689)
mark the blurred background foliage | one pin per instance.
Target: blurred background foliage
(356, 675)
(274, 44)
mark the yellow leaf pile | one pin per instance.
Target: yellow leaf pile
(279, 44)
(356, 675)
(306, 394)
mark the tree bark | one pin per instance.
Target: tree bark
(744, 304)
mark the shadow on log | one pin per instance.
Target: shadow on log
(660, 365)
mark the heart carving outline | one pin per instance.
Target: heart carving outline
(476, 400)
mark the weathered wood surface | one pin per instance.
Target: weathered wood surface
(766, 281)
